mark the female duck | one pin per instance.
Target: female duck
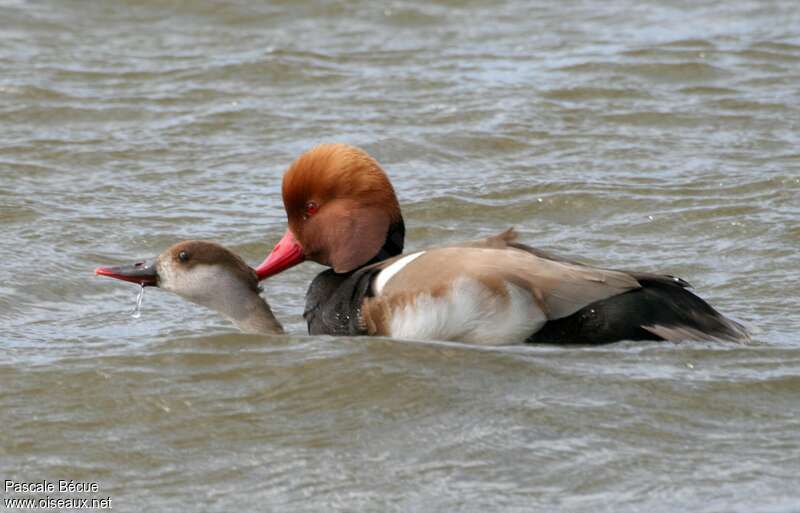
(209, 275)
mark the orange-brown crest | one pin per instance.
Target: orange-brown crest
(340, 205)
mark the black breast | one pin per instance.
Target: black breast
(333, 302)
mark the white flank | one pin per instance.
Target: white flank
(384, 276)
(470, 313)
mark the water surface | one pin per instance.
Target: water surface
(658, 136)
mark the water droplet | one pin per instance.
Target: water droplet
(650, 218)
(137, 312)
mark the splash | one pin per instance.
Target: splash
(137, 312)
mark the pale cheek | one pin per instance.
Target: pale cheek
(166, 277)
(187, 282)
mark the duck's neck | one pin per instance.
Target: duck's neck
(254, 315)
(243, 306)
(393, 245)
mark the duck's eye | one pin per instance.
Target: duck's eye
(183, 256)
(311, 209)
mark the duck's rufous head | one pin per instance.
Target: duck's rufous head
(340, 206)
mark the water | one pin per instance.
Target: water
(137, 310)
(641, 136)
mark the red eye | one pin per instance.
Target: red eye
(311, 209)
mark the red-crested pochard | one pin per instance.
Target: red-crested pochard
(343, 213)
(207, 274)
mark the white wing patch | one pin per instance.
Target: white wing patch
(384, 276)
(469, 313)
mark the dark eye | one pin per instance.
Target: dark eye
(311, 209)
(183, 256)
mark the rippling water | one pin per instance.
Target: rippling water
(656, 136)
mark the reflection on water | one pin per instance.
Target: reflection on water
(655, 137)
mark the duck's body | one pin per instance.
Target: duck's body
(343, 213)
(503, 293)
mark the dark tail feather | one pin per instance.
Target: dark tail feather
(661, 310)
(678, 314)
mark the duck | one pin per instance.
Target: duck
(343, 213)
(207, 274)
